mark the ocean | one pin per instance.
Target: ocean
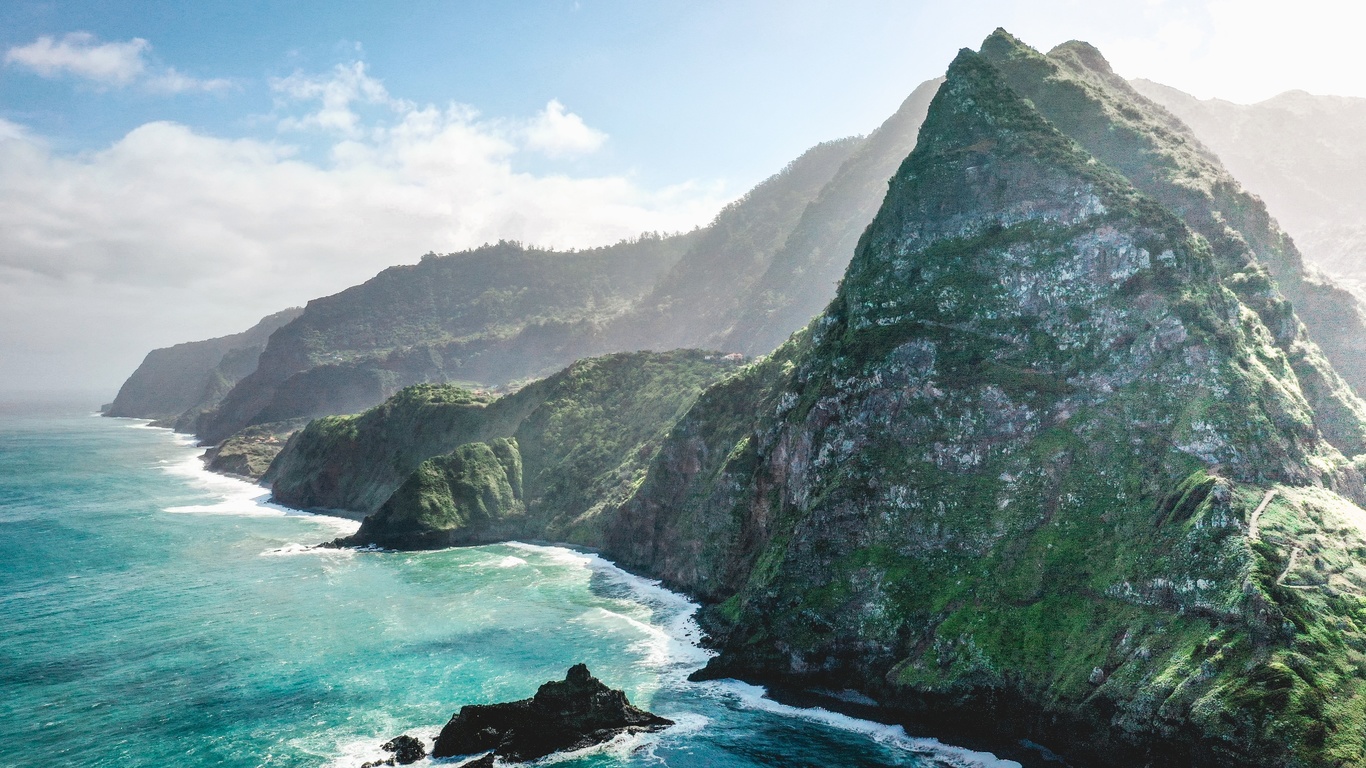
(153, 614)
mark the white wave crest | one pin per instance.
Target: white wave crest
(756, 697)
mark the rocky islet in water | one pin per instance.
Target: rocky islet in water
(577, 712)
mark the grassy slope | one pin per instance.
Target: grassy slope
(582, 438)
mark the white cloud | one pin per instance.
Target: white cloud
(170, 235)
(80, 54)
(173, 81)
(117, 64)
(336, 92)
(556, 132)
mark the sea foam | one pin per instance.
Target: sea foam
(674, 646)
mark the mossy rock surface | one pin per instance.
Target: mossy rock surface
(1059, 461)
(1008, 478)
(572, 446)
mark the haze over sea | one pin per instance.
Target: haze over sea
(158, 615)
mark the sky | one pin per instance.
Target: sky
(173, 171)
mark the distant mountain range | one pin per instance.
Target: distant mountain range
(767, 264)
(507, 313)
(1304, 155)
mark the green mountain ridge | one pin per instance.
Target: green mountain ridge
(1058, 462)
(1303, 155)
(501, 312)
(581, 440)
(755, 274)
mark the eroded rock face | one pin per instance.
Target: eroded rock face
(1008, 472)
(574, 713)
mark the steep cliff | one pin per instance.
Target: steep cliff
(579, 434)
(1036, 463)
(1050, 465)
(1301, 153)
(195, 375)
(1074, 87)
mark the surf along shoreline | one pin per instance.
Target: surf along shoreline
(845, 710)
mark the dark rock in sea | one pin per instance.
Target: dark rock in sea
(406, 749)
(479, 762)
(574, 713)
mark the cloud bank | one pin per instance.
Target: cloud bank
(171, 235)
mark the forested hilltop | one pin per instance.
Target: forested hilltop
(1064, 459)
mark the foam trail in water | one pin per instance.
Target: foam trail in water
(755, 697)
(675, 647)
(235, 496)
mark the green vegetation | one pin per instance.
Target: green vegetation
(1059, 460)
(582, 440)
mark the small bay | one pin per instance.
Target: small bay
(157, 615)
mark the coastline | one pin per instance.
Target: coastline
(682, 640)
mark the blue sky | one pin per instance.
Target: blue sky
(172, 171)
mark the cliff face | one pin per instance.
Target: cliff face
(1052, 463)
(1074, 88)
(579, 438)
(1023, 467)
(194, 375)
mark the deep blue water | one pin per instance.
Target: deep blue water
(152, 614)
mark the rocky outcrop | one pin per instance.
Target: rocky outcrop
(574, 713)
(406, 750)
(249, 453)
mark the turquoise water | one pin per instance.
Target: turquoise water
(152, 614)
